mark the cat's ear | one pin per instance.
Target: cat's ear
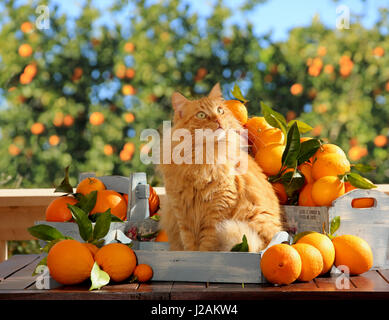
(216, 92)
(178, 102)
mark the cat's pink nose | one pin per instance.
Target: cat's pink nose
(219, 124)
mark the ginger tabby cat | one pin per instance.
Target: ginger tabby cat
(208, 208)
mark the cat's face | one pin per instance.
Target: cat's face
(205, 113)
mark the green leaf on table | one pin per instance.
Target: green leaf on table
(303, 127)
(334, 225)
(65, 184)
(45, 232)
(103, 223)
(292, 148)
(358, 181)
(241, 247)
(98, 277)
(237, 93)
(363, 167)
(307, 150)
(87, 202)
(274, 118)
(84, 224)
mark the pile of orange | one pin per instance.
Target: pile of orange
(58, 211)
(70, 262)
(314, 254)
(321, 172)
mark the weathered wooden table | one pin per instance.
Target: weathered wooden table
(17, 283)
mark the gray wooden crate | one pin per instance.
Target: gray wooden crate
(228, 267)
(371, 224)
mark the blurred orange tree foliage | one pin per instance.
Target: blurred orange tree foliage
(80, 94)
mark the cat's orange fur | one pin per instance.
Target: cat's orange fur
(209, 209)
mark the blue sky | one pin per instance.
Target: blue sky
(277, 16)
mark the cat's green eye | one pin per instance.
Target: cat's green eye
(201, 115)
(220, 110)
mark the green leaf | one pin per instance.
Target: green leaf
(307, 150)
(101, 228)
(298, 236)
(238, 94)
(274, 118)
(302, 126)
(50, 244)
(241, 247)
(98, 277)
(93, 217)
(87, 202)
(292, 148)
(155, 217)
(293, 182)
(334, 225)
(65, 184)
(84, 224)
(362, 167)
(45, 232)
(358, 181)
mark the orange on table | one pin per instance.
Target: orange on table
(360, 202)
(327, 189)
(324, 245)
(305, 196)
(281, 264)
(331, 164)
(143, 272)
(269, 158)
(92, 248)
(69, 262)
(238, 109)
(279, 189)
(90, 184)
(311, 261)
(110, 199)
(116, 259)
(162, 236)
(353, 252)
(58, 211)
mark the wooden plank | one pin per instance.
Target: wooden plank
(370, 281)
(384, 274)
(22, 278)
(155, 290)
(330, 283)
(3, 250)
(202, 266)
(15, 263)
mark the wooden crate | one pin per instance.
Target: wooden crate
(371, 224)
(229, 267)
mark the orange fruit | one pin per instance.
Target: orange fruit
(328, 148)
(125, 196)
(26, 27)
(327, 189)
(108, 150)
(130, 73)
(360, 202)
(305, 196)
(30, 70)
(269, 158)
(125, 155)
(58, 211)
(153, 201)
(129, 117)
(331, 164)
(90, 184)
(238, 109)
(109, 199)
(129, 47)
(162, 236)
(254, 125)
(128, 90)
(353, 252)
(281, 264)
(324, 245)
(381, 141)
(14, 150)
(69, 262)
(92, 248)
(311, 261)
(25, 78)
(116, 259)
(25, 50)
(143, 272)
(306, 169)
(269, 136)
(328, 68)
(129, 147)
(378, 51)
(279, 189)
(96, 118)
(296, 89)
(54, 140)
(37, 128)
